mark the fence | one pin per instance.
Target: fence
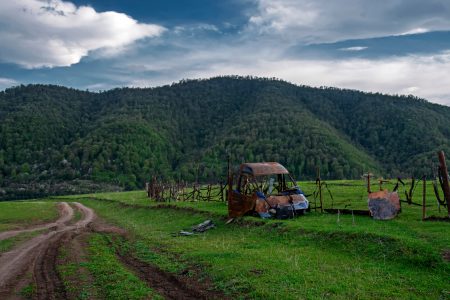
(182, 191)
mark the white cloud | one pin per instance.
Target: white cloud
(357, 48)
(424, 76)
(49, 33)
(192, 29)
(415, 31)
(67, 32)
(6, 83)
(315, 21)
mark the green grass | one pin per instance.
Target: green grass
(152, 256)
(77, 215)
(111, 278)
(19, 214)
(28, 291)
(350, 194)
(74, 276)
(139, 198)
(311, 257)
(316, 256)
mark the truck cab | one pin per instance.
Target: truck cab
(265, 189)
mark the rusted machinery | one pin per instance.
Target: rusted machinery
(384, 205)
(265, 189)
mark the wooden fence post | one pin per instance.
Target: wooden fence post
(444, 173)
(320, 189)
(424, 197)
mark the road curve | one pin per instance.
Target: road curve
(15, 263)
(66, 214)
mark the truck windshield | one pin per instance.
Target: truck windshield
(272, 184)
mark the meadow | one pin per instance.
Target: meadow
(18, 214)
(315, 256)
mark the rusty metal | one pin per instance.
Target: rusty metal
(445, 183)
(384, 205)
(239, 205)
(253, 191)
(265, 168)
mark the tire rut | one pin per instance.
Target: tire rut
(48, 283)
(167, 284)
(41, 253)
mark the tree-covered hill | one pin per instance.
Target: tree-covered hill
(55, 139)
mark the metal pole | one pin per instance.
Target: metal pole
(444, 171)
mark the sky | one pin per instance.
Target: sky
(388, 46)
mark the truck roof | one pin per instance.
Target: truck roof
(263, 168)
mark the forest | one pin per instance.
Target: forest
(58, 140)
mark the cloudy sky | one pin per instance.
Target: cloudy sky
(390, 46)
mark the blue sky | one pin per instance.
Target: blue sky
(389, 46)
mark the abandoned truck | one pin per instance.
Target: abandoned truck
(265, 189)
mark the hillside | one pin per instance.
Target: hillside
(59, 140)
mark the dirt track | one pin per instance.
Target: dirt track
(66, 214)
(39, 253)
(168, 285)
(39, 256)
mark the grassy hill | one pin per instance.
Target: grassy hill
(59, 140)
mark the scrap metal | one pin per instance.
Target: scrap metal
(384, 205)
(262, 189)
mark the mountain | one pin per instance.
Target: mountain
(60, 140)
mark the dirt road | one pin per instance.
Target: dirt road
(66, 214)
(39, 254)
(39, 257)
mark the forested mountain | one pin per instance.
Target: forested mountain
(57, 140)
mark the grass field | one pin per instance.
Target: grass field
(312, 257)
(316, 256)
(112, 279)
(309, 258)
(20, 214)
(350, 194)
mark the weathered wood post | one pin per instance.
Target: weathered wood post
(319, 182)
(209, 192)
(147, 189)
(424, 197)
(444, 173)
(368, 182)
